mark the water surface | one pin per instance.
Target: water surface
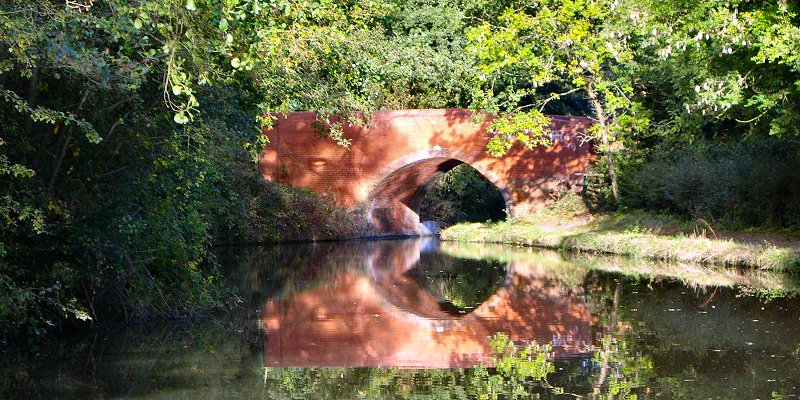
(418, 319)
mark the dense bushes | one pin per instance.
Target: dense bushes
(277, 212)
(745, 183)
(125, 230)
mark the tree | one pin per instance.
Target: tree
(575, 43)
(729, 67)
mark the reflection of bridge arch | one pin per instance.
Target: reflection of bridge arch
(411, 302)
(352, 322)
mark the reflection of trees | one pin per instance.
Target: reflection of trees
(669, 339)
(517, 374)
(374, 383)
(622, 371)
(654, 338)
(280, 270)
(464, 283)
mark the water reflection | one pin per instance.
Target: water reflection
(379, 310)
(412, 319)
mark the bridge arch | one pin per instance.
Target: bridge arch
(394, 193)
(402, 144)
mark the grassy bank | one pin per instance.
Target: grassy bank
(568, 226)
(572, 268)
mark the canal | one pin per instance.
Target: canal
(420, 319)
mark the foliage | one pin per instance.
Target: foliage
(345, 60)
(567, 205)
(276, 213)
(577, 43)
(724, 183)
(129, 130)
(720, 67)
(462, 195)
(651, 71)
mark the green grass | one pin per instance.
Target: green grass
(571, 268)
(636, 234)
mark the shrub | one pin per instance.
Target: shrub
(278, 212)
(747, 183)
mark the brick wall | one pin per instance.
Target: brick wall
(402, 150)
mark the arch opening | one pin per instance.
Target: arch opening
(462, 194)
(397, 197)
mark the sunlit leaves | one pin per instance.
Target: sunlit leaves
(43, 114)
(573, 43)
(528, 128)
(181, 118)
(726, 61)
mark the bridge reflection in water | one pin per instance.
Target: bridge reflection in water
(381, 307)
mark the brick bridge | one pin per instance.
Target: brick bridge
(388, 165)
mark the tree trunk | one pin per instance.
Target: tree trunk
(60, 159)
(601, 119)
(64, 146)
(32, 99)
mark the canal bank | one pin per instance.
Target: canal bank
(641, 235)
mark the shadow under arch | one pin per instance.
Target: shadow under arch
(396, 190)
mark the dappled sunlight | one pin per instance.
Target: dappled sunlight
(400, 151)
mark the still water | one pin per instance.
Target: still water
(420, 319)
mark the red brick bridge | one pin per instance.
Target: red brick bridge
(387, 166)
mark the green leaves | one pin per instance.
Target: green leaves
(43, 114)
(528, 128)
(181, 118)
(552, 42)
